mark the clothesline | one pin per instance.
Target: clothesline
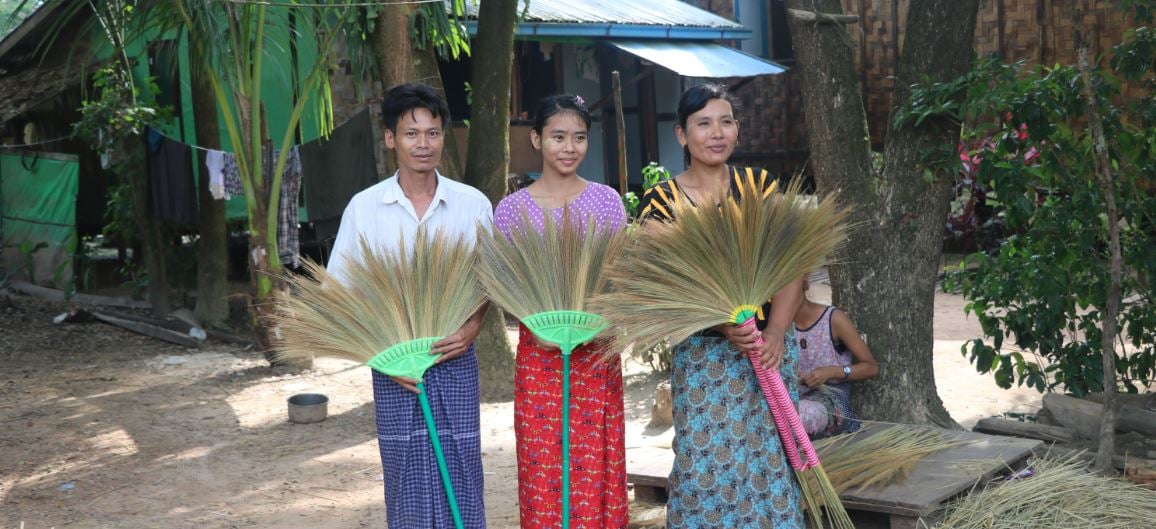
(207, 149)
(198, 147)
(45, 142)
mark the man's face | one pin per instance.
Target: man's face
(418, 141)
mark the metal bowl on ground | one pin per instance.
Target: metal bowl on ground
(305, 408)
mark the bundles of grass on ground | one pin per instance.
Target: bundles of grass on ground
(858, 460)
(1060, 495)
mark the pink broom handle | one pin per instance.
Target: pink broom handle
(782, 409)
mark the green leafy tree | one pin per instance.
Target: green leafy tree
(1045, 289)
(1066, 300)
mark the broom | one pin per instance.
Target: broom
(544, 278)
(716, 266)
(391, 309)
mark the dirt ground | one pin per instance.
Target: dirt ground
(102, 428)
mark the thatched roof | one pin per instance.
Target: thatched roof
(30, 74)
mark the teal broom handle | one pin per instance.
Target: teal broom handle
(566, 436)
(437, 447)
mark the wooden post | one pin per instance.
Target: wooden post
(620, 119)
(648, 117)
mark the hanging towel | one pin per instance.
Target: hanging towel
(215, 163)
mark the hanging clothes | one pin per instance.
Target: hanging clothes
(172, 190)
(288, 209)
(215, 163)
(337, 168)
(288, 222)
(232, 176)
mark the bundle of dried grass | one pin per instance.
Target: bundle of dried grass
(558, 268)
(385, 299)
(857, 461)
(716, 266)
(1060, 495)
(681, 277)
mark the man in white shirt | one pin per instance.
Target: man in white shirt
(417, 119)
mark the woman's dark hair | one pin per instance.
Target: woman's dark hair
(694, 99)
(409, 97)
(551, 106)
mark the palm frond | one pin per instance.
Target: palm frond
(558, 268)
(682, 277)
(386, 298)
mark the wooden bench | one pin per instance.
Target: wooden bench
(941, 477)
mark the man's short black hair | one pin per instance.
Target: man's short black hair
(409, 97)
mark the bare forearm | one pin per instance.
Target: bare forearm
(784, 305)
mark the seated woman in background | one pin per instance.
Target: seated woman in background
(831, 356)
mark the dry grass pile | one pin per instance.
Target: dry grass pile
(1060, 495)
(856, 460)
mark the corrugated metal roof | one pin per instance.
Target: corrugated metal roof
(699, 59)
(635, 12)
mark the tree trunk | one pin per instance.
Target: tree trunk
(488, 164)
(212, 248)
(885, 274)
(489, 155)
(1103, 164)
(152, 241)
(395, 56)
(264, 277)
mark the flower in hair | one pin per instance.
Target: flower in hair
(578, 99)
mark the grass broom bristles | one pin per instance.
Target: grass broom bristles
(1061, 495)
(855, 461)
(557, 268)
(422, 290)
(685, 276)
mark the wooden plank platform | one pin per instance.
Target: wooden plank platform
(941, 477)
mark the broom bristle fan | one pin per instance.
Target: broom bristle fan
(557, 268)
(384, 298)
(678, 278)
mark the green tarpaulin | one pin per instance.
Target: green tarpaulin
(38, 205)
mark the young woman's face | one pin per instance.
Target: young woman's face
(711, 133)
(563, 143)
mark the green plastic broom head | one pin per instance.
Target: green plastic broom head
(565, 328)
(407, 359)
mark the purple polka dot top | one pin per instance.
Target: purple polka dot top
(597, 202)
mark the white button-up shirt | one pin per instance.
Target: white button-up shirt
(385, 216)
